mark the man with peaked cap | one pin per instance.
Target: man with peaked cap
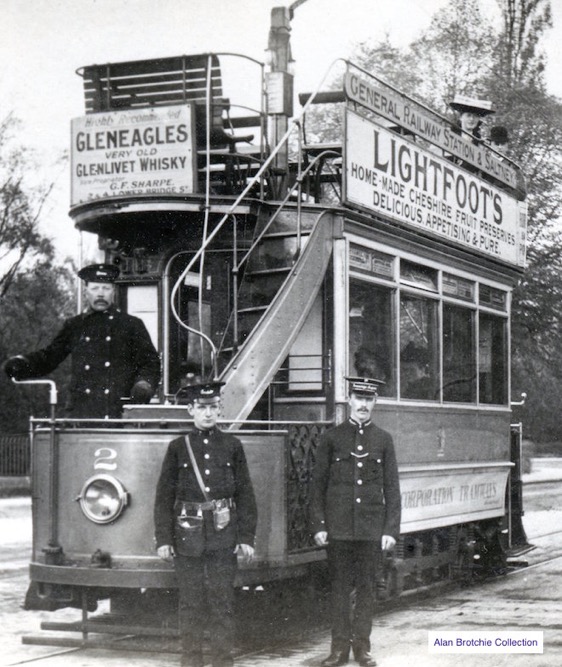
(355, 513)
(498, 138)
(204, 516)
(471, 111)
(112, 354)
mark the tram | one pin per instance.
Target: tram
(280, 265)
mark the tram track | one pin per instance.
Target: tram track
(295, 625)
(292, 628)
(288, 614)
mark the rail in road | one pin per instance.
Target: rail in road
(527, 598)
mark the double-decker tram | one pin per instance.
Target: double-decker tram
(279, 266)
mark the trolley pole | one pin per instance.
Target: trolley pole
(279, 89)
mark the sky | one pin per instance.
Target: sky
(44, 42)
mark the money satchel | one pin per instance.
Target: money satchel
(189, 527)
(221, 508)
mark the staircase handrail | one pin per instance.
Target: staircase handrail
(296, 184)
(208, 239)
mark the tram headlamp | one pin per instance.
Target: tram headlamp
(103, 498)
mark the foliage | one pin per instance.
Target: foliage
(20, 208)
(453, 53)
(35, 292)
(32, 312)
(465, 52)
(524, 23)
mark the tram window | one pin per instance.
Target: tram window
(186, 351)
(197, 351)
(419, 349)
(492, 349)
(459, 359)
(142, 301)
(371, 334)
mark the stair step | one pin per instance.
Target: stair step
(251, 310)
(285, 222)
(284, 235)
(220, 166)
(316, 149)
(260, 273)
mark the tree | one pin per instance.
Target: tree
(452, 55)
(32, 313)
(537, 301)
(35, 291)
(524, 23)
(463, 52)
(20, 208)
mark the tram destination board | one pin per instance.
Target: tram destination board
(429, 126)
(387, 174)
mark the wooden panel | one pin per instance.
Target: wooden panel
(429, 435)
(134, 458)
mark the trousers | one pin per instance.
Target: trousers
(206, 603)
(352, 566)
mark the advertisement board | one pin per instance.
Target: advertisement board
(390, 175)
(432, 498)
(418, 120)
(146, 151)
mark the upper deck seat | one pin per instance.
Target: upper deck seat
(218, 136)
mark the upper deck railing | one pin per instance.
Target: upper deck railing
(403, 114)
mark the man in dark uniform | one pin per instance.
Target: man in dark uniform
(112, 354)
(190, 530)
(355, 512)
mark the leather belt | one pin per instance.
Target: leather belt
(207, 505)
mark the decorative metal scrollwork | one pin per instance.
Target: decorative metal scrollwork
(303, 440)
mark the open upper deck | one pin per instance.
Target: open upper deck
(163, 131)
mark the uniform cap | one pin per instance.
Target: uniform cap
(461, 103)
(364, 386)
(202, 391)
(99, 273)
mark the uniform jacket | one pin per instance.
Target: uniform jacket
(223, 467)
(355, 487)
(110, 351)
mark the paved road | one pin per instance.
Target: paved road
(528, 600)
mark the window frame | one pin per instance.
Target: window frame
(398, 288)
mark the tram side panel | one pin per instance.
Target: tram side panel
(121, 553)
(446, 434)
(454, 465)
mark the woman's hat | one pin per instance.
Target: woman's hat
(461, 103)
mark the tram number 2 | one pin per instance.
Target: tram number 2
(106, 459)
